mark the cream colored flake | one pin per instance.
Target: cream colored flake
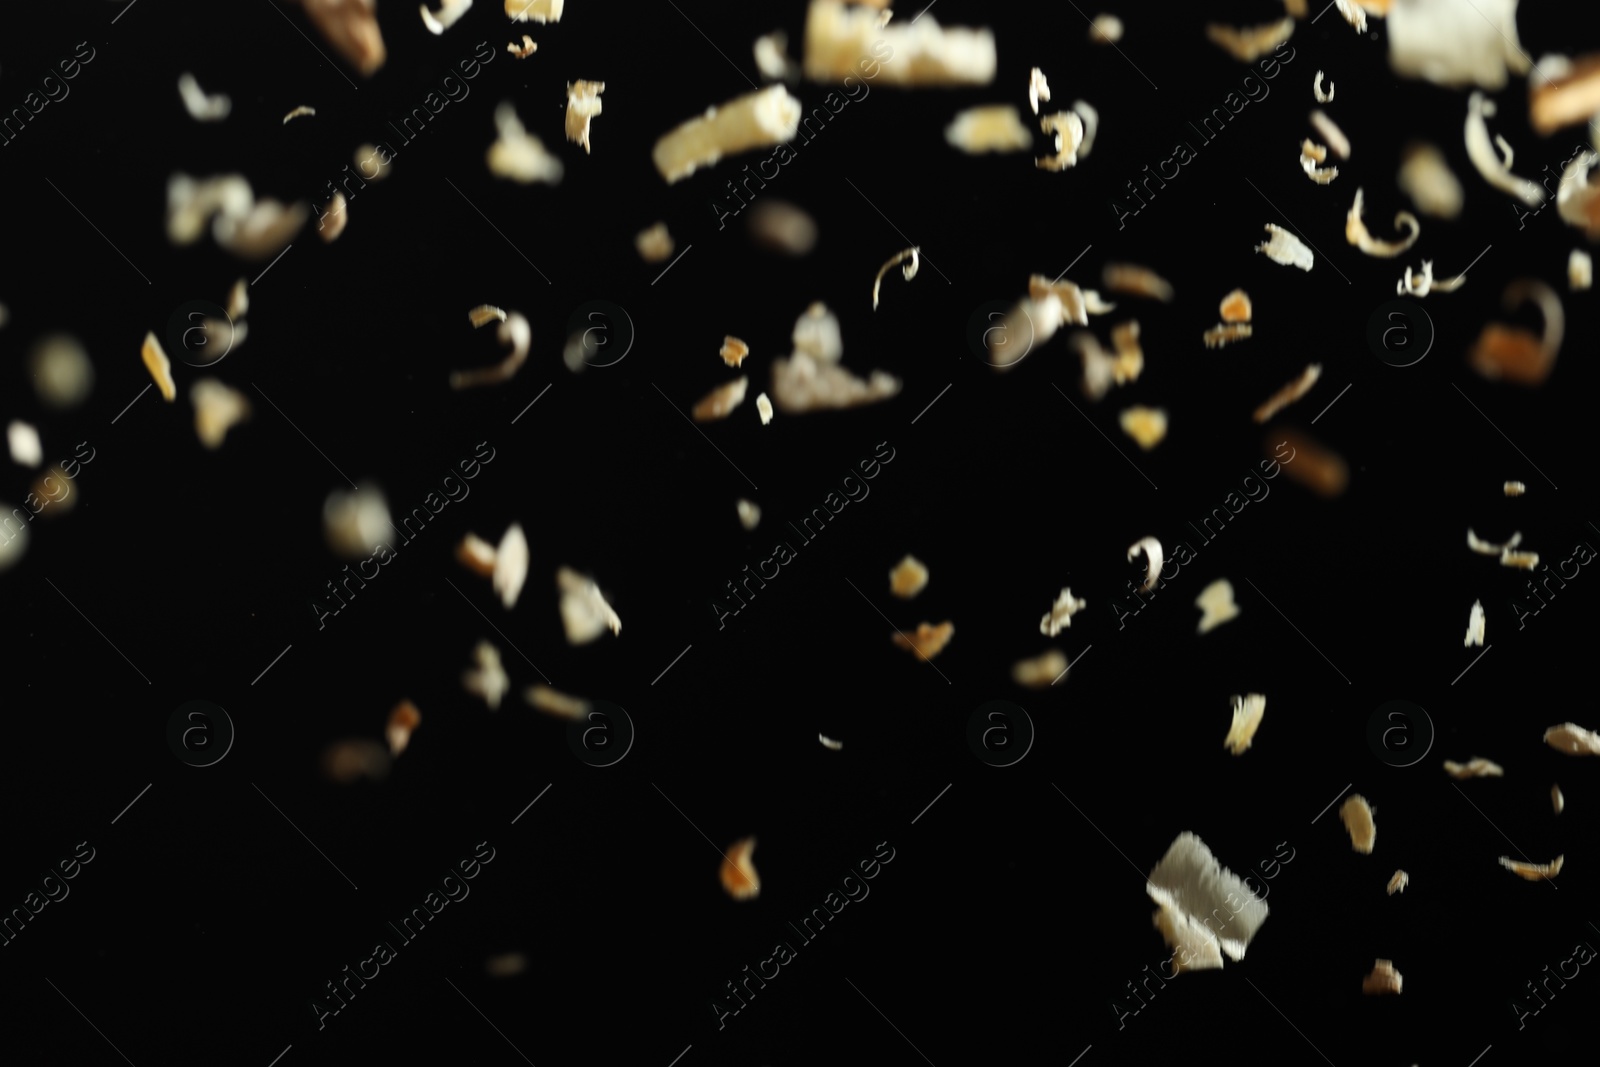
(841, 41)
(816, 334)
(1041, 671)
(1247, 714)
(1105, 29)
(1455, 43)
(1398, 882)
(1248, 44)
(535, 10)
(449, 13)
(1557, 801)
(655, 244)
(1147, 426)
(718, 403)
(1514, 488)
(1522, 560)
(510, 565)
(908, 578)
(1357, 815)
(1338, 143)
(772, 57)
(830, 743)
(1573, 739)
(1384, 978)
(764, 408)
(356, 522)
(1284, 247)
(518, 155)
(583, 104)
(584, 612)
(554, 702)
(749, 514)
(217, 409)
(760, 119)
(782, 227)
(1476, 767)
(525, 49)
(1289, 393)
(1236, 307)
(23, 441)
(1580, 270)
(1533, 872)
(1060, 613)
(1038, 89)
(515, 332)
(488, 679)
(991, 128)
(1430, 183)
(1194, 890)
(1216, 605)
(351, 26)
(299, 112)
(1485, 548)
(1474, 626)
(159, 366)
(202, 108)
(1091, 123)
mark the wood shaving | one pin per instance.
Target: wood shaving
(1474, 626)
(1310, 155)
(1150, 549)
(772, 58)
(1091, 123)
(1486, 548)
(351, 26)
(1430, 183)
(515, 332)
(1353, 15)
(1289, 393)
(380, 162)
(1533, 872)
(840, 40)
(1578, 198)
(1236, 307)
(1038, 89)
(738, 874)
(1319, 469)
(1384, 978)
(1105, 29)
(1147, 426)
(1398, 882)
(991, 128)
(1218, 336)
(1557, 801)
(488, 679)
(1284, 247)
(733, 350)
(346, 762)
(535, 10)
(1476, 767)
(764, 408)
(334, 219)
(908, 578)
(1456, 43)
(23, 441)
(510, 565)
(782, 227)
(450, 11)
(217, 409)
(1317, 91)
(1297, 8)
(239, 299)
(202, 108)
(402, 721)
(1356, 815)
(1580, 270)
(1247, 714)
(61, 371)
(1562, 98)
(1099, 366)
(1514, 488)
(299, 112)
(909, 271)
(584, 612)
(1067, 127)
(476, 554)
(1489, 164)
(1130, 356)
(929, 640)
(356, 522)
(760, 119)
(554, 702)
(1573, 739)
(1515, 353)
(655, 244)
(830, 743)
(749, 514)
(159, 366)
(721, 401)
(484, 314)
(527, 48)
(518, 155)
(1074, 301)
(1424, 283)
(816, 334)
(1192, 887)
(1061, 613)
(1524, 560)
(1338, 143)
(1216, 605)
(812, 379)
(583, 104)
(507, 966)
(1135, 280)
(261, 231)
(1041, 671)
(1248, 44)
(1355, 231)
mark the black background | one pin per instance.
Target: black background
(1012, 915)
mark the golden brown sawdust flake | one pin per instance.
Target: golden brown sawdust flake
(738, 874)
(929, 640)
(402, 720)
(1357, 815)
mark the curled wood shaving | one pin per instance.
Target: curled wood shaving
(1247, 714)
(1580, 270)
(217, 409)
(1250, 43)
(524, 50)
(1533, 872)
(554, 702)
(1398, 882)
(488, 679)
(585, 615)
(1424, 283)
(1578, 198)
(1316, 90)
(1481, 151)
(1485, 548)
(484, 314)
(1515, 353)
(449, 13)
(1312, 154)
(1557, 801)
(202, 108)
(515, 332)
(1038, 89)
(583, 104)
(1289, 393)
(1067, 127)
(1150, 549)
(510, 565)
(764, 408)
(1218, 336)
(1565, 96)
(733, 351)
(1061, 612)
(298, 112)
(772, 57)
(1514, 488)
(1355, 231)
(909, 271)
(1456, 43)
(1091, 123)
